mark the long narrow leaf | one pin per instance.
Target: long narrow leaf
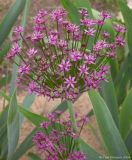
(91, 154)
(128, 141)
(17, 59)
(10, 19)
(12, 126)
(34, 118)
(27, 102)
(126, 115)
(33, 156)
(110, 134)
(72, 10)
(127, 15)
(108, 92)
(24, 146)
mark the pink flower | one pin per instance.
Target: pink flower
(39, 18)
(75, 56)
(119, 41)
(58, 14)
(71, 28)
(83, 12)
(70, 82)
(14, 51)
(53, 39)
(83, 70)
(89, 59)
(39, 28)
(99, 46)
(32, 52)
(120, 28)
(17, 30)
(104, 69)
(105, 15)
(24, 69)
(70, 95)
(111, 54)
(36, 36)
(90, 32)
(32, 87)
(62, 44)
(88, 22)
(45, 125)
(77, 155)
(105, 34)
(64, 66)
(100, 22)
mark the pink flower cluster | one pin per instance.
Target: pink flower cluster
(58, 140)
(59, 60)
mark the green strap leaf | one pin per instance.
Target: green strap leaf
(10, 19)
(110, 134)
(17, 59)
(61, 107)
(33, 156)
(91, 154)
(123, 79)
(126, 115)
(128, 142)
(12, 126)
(34, 118)
(127, 15)
(24, 146)
(27, 102)
(3, 52)
(108, 93)
(72, 11)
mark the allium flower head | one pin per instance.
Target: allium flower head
(55, 135)
(59, 60)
